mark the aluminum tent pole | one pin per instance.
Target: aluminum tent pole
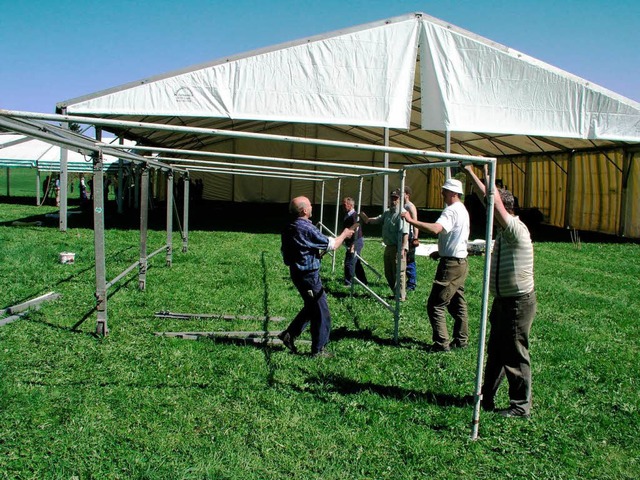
(144, 216)
(102, 328)
(359, 205)
(235, 134)
(385, 180)
(322, 203)
(335, 224)
(485, 300)
(192, 163)
(64, 182)
(37, 186)
(136, 187)
(185, 214)
(120, 193)
(399, 254)
(169, 218)
(447, 139)
(357, 232)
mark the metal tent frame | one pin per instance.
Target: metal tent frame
(16, 121)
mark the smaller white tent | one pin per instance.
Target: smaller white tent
(19, 151)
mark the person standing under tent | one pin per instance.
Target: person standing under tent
(447, 291)
(352, 264)
(303, 246)
(514, 306)
(414, 232)
(84, 198)
(46, 186)
(392, 226)
(57, 191)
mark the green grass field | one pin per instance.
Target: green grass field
(136, 405)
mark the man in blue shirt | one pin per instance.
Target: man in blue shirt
(303, 246)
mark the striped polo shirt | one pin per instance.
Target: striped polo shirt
(512, 261)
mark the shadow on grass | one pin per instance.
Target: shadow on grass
(72, 329)
(367, 335)
(346, 386)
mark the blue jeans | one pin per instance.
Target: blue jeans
(411, 275)
(315, 311)
(353, 265)
(508, 350)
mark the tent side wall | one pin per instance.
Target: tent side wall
(583, 190)
(631, 207)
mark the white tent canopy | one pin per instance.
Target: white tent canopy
(366, 77)
(564, 146)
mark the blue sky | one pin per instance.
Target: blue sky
(51, 51)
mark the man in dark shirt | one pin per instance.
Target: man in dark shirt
(303, 245)
(352, 264)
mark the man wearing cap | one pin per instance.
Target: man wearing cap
(394, 230)
(447, 291)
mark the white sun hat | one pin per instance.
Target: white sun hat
(453, 185)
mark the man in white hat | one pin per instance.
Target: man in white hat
(447, 291)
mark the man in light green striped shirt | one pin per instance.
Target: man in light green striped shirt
(513, 308)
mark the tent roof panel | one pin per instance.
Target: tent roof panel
(414, 74)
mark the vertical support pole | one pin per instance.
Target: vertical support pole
(528, 183)
(447, 139)
(120, 194)
(335, 224)
(322, 204)
(357, 232)
(64, 182)
(136, 187)
(568, 204)
(99, 248)
(359, 205)
(169, 218)
(8, 183)
(399, 253)
(37, 186)
(490, 188)
(144, 216)
(624, 197)
(385, 178)
(185, 215)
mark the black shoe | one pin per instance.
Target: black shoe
(488, 405)
(323, 354)
(458, 344)
(436, 347)
(287, 341)
(513, 412)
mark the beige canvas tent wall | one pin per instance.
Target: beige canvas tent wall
(565, 146)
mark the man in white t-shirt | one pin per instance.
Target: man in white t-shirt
(447, 291)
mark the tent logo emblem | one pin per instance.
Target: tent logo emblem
(183, 94)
